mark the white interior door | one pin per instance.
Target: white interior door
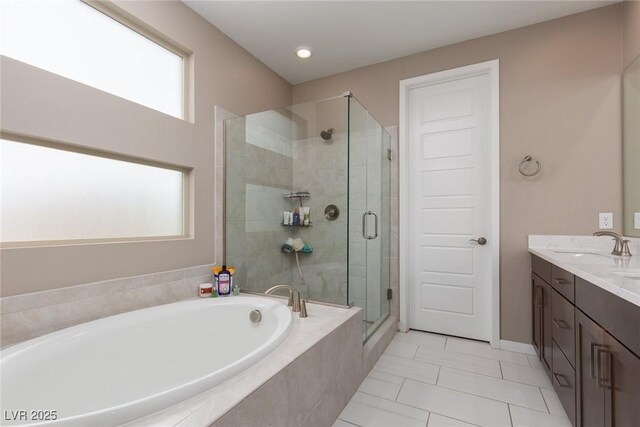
(449, 190)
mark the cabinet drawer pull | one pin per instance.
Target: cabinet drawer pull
(561, 324)
(560, 281)
(561, 380)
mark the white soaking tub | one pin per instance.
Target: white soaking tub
(120, 368)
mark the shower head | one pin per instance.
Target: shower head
(327, 134)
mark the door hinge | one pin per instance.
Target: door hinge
(389, 154)
(389, 294)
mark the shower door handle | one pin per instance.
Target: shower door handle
(375, 216)
(365, 233)
(364, 225)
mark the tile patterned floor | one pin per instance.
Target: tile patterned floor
(432, 380)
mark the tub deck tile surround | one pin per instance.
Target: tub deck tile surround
(306, 381)
(31, 315)
(378, 342)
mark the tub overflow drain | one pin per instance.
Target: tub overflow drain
(255, 316)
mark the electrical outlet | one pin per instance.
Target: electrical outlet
(636, 220)
(606, 221)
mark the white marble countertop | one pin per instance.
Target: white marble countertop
(590, 259)
(205, 408)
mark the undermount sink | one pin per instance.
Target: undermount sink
(578, 254)
(633, 275)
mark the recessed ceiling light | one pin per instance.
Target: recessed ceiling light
(303, 52)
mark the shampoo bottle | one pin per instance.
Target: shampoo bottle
(224, 281)
(307, 218)
(296, 217)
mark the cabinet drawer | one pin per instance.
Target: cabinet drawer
(562, 319)
(564, 382)
(563, 282)
(541, 267)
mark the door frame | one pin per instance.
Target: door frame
(492, 69)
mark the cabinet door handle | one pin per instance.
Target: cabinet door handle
(594, 360)
(560, 281)
(540, 295)
(561, 324)
(561, 380)
(603, 374)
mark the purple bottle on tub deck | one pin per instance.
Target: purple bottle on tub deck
(224, 281)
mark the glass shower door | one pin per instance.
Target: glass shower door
(369, 214)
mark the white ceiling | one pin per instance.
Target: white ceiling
(344, 35)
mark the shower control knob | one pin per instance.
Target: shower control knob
(481, 241)
(331, 212)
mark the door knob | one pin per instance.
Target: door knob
(481, 241)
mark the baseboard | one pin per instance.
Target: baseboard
(518, 347)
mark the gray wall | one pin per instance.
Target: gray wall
(37, 103)
(560, 102)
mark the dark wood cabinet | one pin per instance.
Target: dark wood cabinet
(536, 288)
(621, 383)
(590, 396)
(562, 319)
(587, 340)
(608, 378)
(542, 321)
(547, 331)
(564, 382)
(563, 282)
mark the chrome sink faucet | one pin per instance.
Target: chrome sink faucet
(622, 246)
(294, 299)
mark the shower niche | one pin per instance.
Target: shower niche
(327, 160)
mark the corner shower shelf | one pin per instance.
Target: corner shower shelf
(298, 195)
(297, 226)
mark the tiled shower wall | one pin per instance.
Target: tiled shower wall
(319, 167)
(259, 169)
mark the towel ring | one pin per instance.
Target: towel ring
(525, 160)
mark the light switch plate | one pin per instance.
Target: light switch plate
(606, 221)
(636, 220)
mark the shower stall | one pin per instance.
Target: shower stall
(307, 204)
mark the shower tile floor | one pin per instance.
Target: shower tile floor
(425, 379)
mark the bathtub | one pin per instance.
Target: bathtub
(120, 368)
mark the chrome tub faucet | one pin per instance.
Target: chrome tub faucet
(294, 299)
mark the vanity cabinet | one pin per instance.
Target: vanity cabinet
(608, 392)
(588, 340)
(563, 326)
(542, 334)
(589, 394)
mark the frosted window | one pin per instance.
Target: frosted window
(74, 40)
(51, 194)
